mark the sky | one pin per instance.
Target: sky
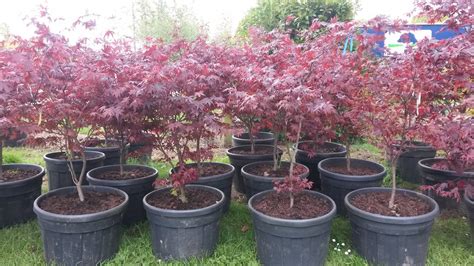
(219, 15)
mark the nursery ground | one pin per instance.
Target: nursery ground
(450, 242)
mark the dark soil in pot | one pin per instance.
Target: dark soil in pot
(19, 187)
(136, 181)
(299, 236)
(259, 176)
(436, 170)
(240, 156)
(217, 175)
(183, 231)
(391, 237)
(408, 161)
(90, 233)
(57, 168)
(111, 150)
(197, 199)
(261, 138)
(310, 154)
(337, 181)
(470, 212)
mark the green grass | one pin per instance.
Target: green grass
(450, 242)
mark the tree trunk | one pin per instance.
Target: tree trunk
(391, 203)
(275, 154)
(348, 158)
(292, 200)
(252, 141)
(182, 195)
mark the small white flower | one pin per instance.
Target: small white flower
(343, 244)
(349, 250)
(338, 249)
(335, 248)
(347, 253)
(333, 240)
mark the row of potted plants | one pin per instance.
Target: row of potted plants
(179, 93)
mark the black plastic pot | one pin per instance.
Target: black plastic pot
(262, 138)
(291, 242)
(408, 161)
(112, 153)
(255, 184)
(182, 234)
(58, 170)
(337, 186)
(17, 197)
(470, 212)
(431, 176)
(223, 182)
(386, 240)
(303, 157)
(135, 188)
(239, 160)
(87, 239)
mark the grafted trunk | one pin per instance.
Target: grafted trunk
(391, 203)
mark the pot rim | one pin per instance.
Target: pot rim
(26, 180)
(422, 164)
(351, 209)
(54, 160)
(119, 182)
(79, 218)
(345, 177)
(185, 213)
(243, 171)
(293, 222)
(270, 136)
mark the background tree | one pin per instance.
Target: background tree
(164, 20)
(295, 15)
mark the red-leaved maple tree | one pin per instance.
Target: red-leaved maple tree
(188, 100)
(54, 78)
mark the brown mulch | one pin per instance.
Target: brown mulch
(266, 169)
(127, 174)
(69, 204)
(17, 174)
(197, 199)
(306, 206)
(405, 205)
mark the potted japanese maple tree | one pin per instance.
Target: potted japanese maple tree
(184, 218)
(247, 104)
(20, 184)
(344, 86)
(79, 224)
(281, 79)
(391, 225)
(120, 77)
(291, 220)
(194, 83)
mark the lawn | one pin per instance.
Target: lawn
(450, 242)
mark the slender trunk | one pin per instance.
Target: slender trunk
(252, 141)
(391, 203)
(106, 141)
(1, 157)
(81, 176)
(292, 200)
(293, 160)
(122, 144)
(182, 195)
(198, 151)
(275, 154)
(348, 157)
